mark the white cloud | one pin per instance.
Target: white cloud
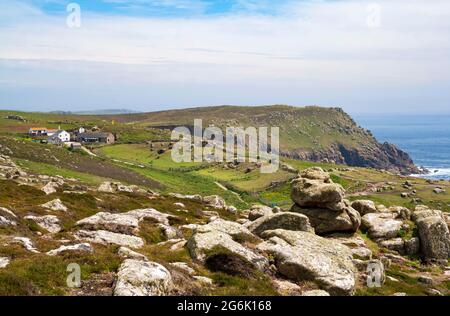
(312, 47)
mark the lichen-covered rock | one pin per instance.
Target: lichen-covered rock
(316, 293)
(7, 212)
(202, 245)
(55, 205)
(317, 194)
(236, 231)
(106, 237)
(50, 188)
(412, 246)
(316, 173)
(85, 247)
(127, 253)
(215, 201)
(434, 238)
(305, 256)
(151, 214)
(257, 211)
(48, 222)
(285, 220)
(400, 212)
(118, 223)
(27, 243)
(4, 262)
(327, 221)
(364, 207)
(381, 225)
(395, 244)
(6, 222)
(142, 278)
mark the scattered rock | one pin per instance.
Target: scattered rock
(127, 253)
(179, 204)
(47, 222)
(6, 222)
(215, 201)
(381, 225)
(438, 190)
(257, 211)
(4, 262)
(50, 188)
(85, 247)
(236, 231)
(183, 266)
(55, 205)
(316, 293)
(286, 288)
(27, 243)
(106, 237)
(203, 280)
(4, 210)
(425, 279)
(305, 256)
(196, 197)
(118, 223)
(142, 278)
(286, 221)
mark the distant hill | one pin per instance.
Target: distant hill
(96, 112)
(306, 133)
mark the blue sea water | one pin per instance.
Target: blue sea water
(426, 138)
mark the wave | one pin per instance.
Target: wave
(435, 173)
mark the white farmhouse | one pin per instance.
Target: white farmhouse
(59, 137)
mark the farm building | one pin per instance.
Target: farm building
(59, 137)
(37, 131)
(96, 137)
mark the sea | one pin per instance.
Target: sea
(426, 138)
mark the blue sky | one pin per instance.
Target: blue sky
(380, 56)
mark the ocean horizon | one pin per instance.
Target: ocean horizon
(426, 138)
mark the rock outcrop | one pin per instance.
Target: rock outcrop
(285, 220)
(202, 245)
(322, 201)
(142, 278)
(305, 256)
(434, 234)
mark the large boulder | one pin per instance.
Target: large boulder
(55, 205)
(316, 173)
(215, 201)
(142, 278)
(381, 225)
(236, 231)
(257, 211)
(85, 247)
(304, 256)
(317, 194)
(48, 222)
(364, 207)
(327, 221)
(106, 237)
(203, 245)
(118, 223)
(285, 220)
(434, 238)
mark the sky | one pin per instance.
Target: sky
(386, 56)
